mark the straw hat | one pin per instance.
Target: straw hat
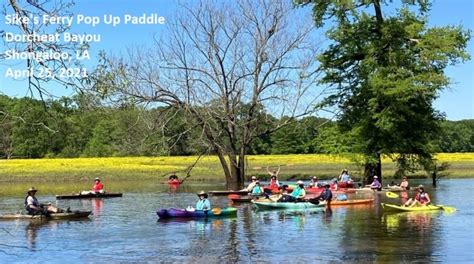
(96, 179)
(299, 182)
(202, 193)
(32, 189)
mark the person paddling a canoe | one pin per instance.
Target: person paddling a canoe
(98, 187)
(33, 207)
(313, 183)
(203, 204)
(421, 198)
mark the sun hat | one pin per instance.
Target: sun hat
(315, 178)
(376, 177)
(421, 187)
(97, 179)
(32, 189)
(299, 182)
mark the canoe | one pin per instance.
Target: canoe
(393, 207)
(216, 193)
(182, 213)
(58, 216)
(86, 196)
(287, 205)
(235, 198)
(351, 202)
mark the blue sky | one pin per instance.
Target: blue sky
(457, 101)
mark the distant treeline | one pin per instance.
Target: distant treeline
(81, 126)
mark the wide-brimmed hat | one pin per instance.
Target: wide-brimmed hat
(202, 193)
(97, 179)
(299, 182)
(421, 187)
(32, 189)
(376, 177)
(315, 178)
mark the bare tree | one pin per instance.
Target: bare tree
(44, 67)
(227, 65)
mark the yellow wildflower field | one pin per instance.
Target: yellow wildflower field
(208, 168)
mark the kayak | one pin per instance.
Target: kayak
(287, 205)
(216, 193)
(58, 216)
(85, 196)
(235, 198)
(183, 213)
(394, 189)
(351, 202)
(393, 207)
(313, 190)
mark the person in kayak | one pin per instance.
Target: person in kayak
(313, 183)
(203, 204)
(251, 184)
(98, 187)
(173, 178)
(257, 190)
(421, 198)
(33, 207)
(274, 172)
(274, 183)
(375, 183)
(404, 184)
(345, 177)
(297, 195)
(325, 195)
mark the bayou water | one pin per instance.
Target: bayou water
(127, 229)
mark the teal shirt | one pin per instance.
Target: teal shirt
(257, 190)
(298, 192)
(203, 204)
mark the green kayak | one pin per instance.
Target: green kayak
(393, 207)
(287, 205)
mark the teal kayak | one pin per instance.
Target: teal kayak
(288, 205)
(393, 207)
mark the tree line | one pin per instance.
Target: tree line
(81, 126)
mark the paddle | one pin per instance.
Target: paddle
(216, 211)
(392, 195)
(448, 209)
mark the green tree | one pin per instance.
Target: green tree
(387, 71)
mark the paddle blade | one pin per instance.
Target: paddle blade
(448, 209)
(216, 211)
(391, 195)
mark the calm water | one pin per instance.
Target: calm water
(126, 230)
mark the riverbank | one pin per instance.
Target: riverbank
(208, 168)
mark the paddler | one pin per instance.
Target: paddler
(98, 187)
(257, 190)
(421, 198)
(203, 204)
(296, 195)
(33, 207)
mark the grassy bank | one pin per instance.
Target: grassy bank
(208, 169)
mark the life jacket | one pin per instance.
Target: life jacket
(257, 190)
(421, 197)
(273, 183)
(35, 201)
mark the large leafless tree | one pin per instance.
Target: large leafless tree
(226, 65)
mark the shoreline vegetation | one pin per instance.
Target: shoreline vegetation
(208, 169)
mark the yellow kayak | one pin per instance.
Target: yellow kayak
(393, 207)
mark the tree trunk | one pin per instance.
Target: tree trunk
(371, 170)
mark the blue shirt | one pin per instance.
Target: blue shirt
(203, 204)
